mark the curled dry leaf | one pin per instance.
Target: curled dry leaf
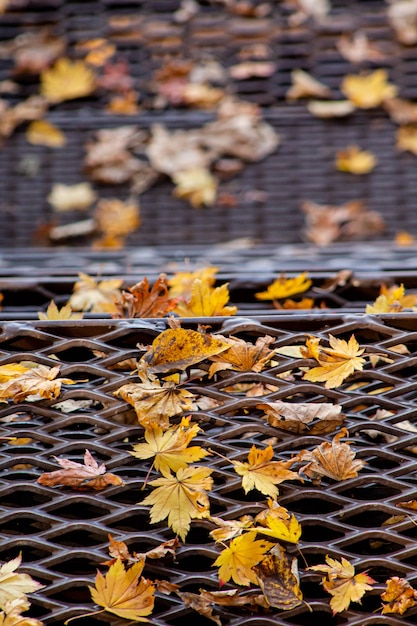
(94, 296)
(64, 313)
(43, 133)
(402, 15)
(181, 498)
(243, 356)
(119, 550)
(67, 80)
(237, 561)
(205, 602)
(206, 301)
(399, 596)
(342, 583)
(124, 592)
(142, 300)
(278, 578)
(179, 348)
(71, 197)
(197, 185)
(229, 529)
(284, 287)
(335, 460)
(81, 477)
(305, 86)
(298, 417)
(36, 381)
(169, 449)
(367, 91)
(155, 402)
(332, 108)
(262, 473)
(355, 161)
(337, 362)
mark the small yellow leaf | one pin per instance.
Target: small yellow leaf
(236, 561)
(64, 313)
(181, 498)
(180, 283)
(337, 362)
(284, 287)
(196, 185)
(367, 91)
(276, 522)
(43, 133)
(355, 161)
(124, 593)
(206, 301)
(67, 80)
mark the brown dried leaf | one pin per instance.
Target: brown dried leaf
(399, 596)
(141, 300)
(298, 417)
(36, 381)
(335, 460)
(243, 356)
(277, 576)
(305, 86)
(81, 477)
(27, 111)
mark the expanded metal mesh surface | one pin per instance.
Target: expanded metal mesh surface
(63, 535)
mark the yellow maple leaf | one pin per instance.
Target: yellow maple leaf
(124, 593)
(196, 185)
(342, 583)
(243, 356)
(155, 401)
(15, 586)
(181, 498)
(337, 362)
(64, 313)
(355, 161)
(399, 596)
(170, 448)
(392, 300)
(95, 296)
(263, 474)
(284, 287)
(206, 301)
(407, 138)
(276, 522)
(181, 282)
(43, 133)
(236, 561)
(179, 348)
(116, 218)
(41, 380)
(367, 91)
(67, 80)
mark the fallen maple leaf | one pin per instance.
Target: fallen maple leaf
(64, 313)
(115, 220)
(124, 593)
(91, 475)
(43, 133)
(342, 583)
(243, 356)
(276, 522)
(337, 362)
(178, 348)
(263, 474)
(284, 287)
(367, 91)
(305, 86)
(94, 296)
(335, 460)
(392, 300)
(314, 418)
(229, 529)
(40, 380)
(141, 300)
(119, 550)
(197, 185)
(206, 301)
(15, 586)
(399, 596)
(277, 576)
(11, 615)
(180, 283)
(170, 448)
(203, 602)
(67, 80)
(355, 161)
(181, 498)
(155, 402)
(236, 561)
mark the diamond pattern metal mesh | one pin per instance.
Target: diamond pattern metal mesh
(63, 535)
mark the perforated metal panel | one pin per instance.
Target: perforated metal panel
(63, 535)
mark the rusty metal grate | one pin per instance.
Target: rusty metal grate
(63, 536)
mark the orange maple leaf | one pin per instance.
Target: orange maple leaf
(399, 596)
(91, 475)
(284, 287)
(124, 593)
(141, 300)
